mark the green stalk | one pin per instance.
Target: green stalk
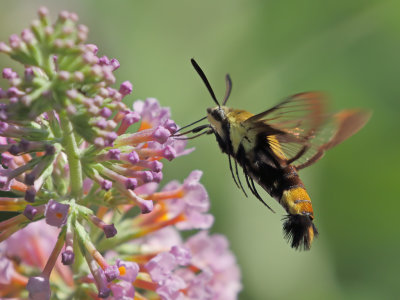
(48, 65)
(72, 152)
(117, 240)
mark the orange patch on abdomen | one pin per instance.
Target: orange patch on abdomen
(297, 202)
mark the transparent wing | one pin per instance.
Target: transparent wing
(299, 114)
(299, 130)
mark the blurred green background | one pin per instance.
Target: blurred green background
(272, 49)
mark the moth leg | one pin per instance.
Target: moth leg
(233, 175)
(194, 130)
(240, 183)
(192, 137)
(259, 197)
(252, 187)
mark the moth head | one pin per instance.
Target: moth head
(216, 115)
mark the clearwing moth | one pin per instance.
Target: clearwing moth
(272, 146)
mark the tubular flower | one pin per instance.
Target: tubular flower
(80, 172)
(201, 268)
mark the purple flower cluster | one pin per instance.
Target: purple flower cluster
(74, 155)
(201, 268)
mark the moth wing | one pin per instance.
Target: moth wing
(304, 108)
(338, 128)
(299, 130)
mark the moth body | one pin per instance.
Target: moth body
(250, 147)
(272, 146)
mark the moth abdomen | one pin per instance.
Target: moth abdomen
(298, 228)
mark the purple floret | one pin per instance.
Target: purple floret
(30, 211)
(109, 230)
(125, 88)
(67, 257)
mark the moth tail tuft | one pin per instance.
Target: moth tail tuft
(300, 231)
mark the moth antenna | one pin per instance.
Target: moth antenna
(205, 80)
(228, 90)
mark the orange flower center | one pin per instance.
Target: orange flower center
(122, 270)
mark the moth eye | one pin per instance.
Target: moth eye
(218, 114)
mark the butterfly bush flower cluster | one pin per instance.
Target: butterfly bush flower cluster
(81, 173)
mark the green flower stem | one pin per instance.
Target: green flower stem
(125, 236)
(48, 65)
(72, 151)
(54, 125)
(119, 239)
(70, 227)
